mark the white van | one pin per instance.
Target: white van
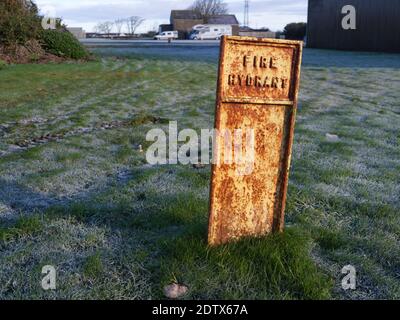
(210, 31)
(166, 35)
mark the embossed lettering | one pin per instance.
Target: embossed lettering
(258, 63)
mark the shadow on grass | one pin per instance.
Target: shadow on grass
(272, 267)
(174, 228)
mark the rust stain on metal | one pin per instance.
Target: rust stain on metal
(257, 89)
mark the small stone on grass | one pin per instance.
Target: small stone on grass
(332, 137)
(175, 291)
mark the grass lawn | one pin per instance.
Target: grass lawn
(76, 191)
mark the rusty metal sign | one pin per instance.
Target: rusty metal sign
(257, 94)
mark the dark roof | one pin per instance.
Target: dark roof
(223, 19)
(185, 14)
(248, 29)
(244, 28)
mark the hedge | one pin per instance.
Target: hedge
(63, 44)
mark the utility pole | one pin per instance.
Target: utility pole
(246, 21)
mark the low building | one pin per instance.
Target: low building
(183, 21)
(258, 33)
(79, 33)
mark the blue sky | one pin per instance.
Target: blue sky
(274, 14)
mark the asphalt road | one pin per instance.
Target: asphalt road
(197, 50)
(190, 50)
(138, 43)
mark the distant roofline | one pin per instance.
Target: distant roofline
(192, 13)
(222, 16)
(182, 13)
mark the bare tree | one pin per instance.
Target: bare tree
(104, 27)
(133, 23)
(108, 26)
(209, 8)
(99, 28)
(119, 23)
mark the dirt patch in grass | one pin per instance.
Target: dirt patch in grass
(26, 144)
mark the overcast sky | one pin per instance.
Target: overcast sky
(274, 14)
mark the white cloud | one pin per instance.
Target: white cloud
(274, 14)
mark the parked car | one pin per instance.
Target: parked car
(166, 35)
(210, 32)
